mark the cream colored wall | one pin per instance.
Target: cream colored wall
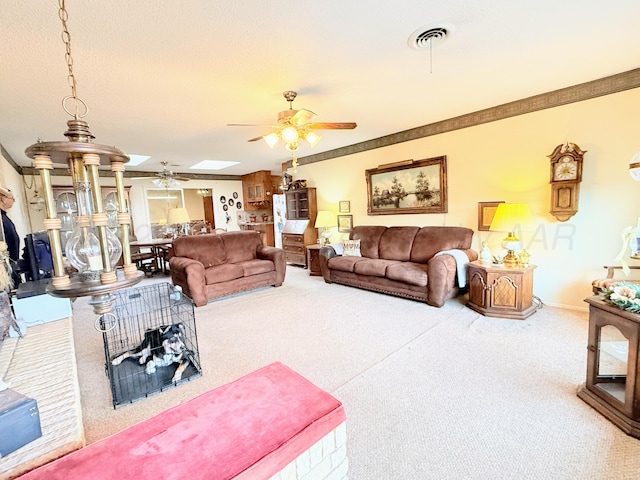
(507, 160)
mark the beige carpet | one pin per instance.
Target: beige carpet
(429, 393)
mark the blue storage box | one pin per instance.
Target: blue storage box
(19, 421)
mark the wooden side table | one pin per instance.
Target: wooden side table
(313, 259)
(502, 292)
(613, 365)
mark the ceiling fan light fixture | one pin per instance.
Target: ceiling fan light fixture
(312, 138)
(290, 134)
(271, 139)
(292, 146)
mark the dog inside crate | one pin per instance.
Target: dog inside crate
(151, 344)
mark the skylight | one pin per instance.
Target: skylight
(137, 159)
(212, 165)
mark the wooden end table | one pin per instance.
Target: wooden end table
(313, 259)
(498, 291)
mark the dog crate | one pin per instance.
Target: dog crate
(138, 319)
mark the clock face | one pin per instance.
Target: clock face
(566, 169)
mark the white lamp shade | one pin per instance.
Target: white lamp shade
(325, 219)
(178, 215)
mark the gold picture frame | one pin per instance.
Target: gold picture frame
(409, 186)
(345, 223)
(486, 211)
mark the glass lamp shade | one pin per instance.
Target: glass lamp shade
(634, 167)
(312, 138)
(271, 139)
(37, 203)
(290, 134)
(83, 249)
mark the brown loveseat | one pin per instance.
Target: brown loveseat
(404, 261)
(214, 265)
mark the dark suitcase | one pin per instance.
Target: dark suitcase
(19, 421)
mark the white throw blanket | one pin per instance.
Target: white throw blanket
(461, 261)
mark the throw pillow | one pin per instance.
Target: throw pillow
(351, 248)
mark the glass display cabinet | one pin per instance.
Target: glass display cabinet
(613, 375)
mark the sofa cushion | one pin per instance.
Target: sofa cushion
(256, 267)
(369, 237)
(395, 243)
(431, 240)
(351, 248)
(407, 272)
(374, 267)
(207, 249)
(344, 264)
(241, 246)
(223, 273)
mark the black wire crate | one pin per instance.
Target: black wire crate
(150, 341)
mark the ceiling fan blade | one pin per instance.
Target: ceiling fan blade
(332, 125)
(255, 139)
(301, 117)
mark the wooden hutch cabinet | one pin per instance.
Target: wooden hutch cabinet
(257, 189)
(299, 229)
(498, 291)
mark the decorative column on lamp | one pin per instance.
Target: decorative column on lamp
(325, 219)
(179, 216)
(510, 217)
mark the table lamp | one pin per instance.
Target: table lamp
(325, 220)
(178, 216)
(509, 217)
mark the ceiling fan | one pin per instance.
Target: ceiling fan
(166, 178)
(294, 126)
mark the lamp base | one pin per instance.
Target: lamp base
(511, 260)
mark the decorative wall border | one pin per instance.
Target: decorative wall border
(576, 93)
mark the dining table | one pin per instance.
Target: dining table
(158, 247)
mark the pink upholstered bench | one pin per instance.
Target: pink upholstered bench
(271, 423)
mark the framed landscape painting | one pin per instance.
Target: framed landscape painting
(411, 186)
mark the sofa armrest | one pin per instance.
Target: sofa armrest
(189, 274)
(441, 275)
(326, 253)
(276, 255)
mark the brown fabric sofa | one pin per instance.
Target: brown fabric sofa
(404, 261)
(215, 265)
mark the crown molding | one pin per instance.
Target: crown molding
(556, 98)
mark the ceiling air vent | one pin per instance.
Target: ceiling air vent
(429, 36)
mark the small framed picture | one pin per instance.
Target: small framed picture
(344, 206)
(486, 211)
(345, 223)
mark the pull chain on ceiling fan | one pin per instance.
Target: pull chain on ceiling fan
(293, 127)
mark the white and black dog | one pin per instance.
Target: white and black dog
(160, 347)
